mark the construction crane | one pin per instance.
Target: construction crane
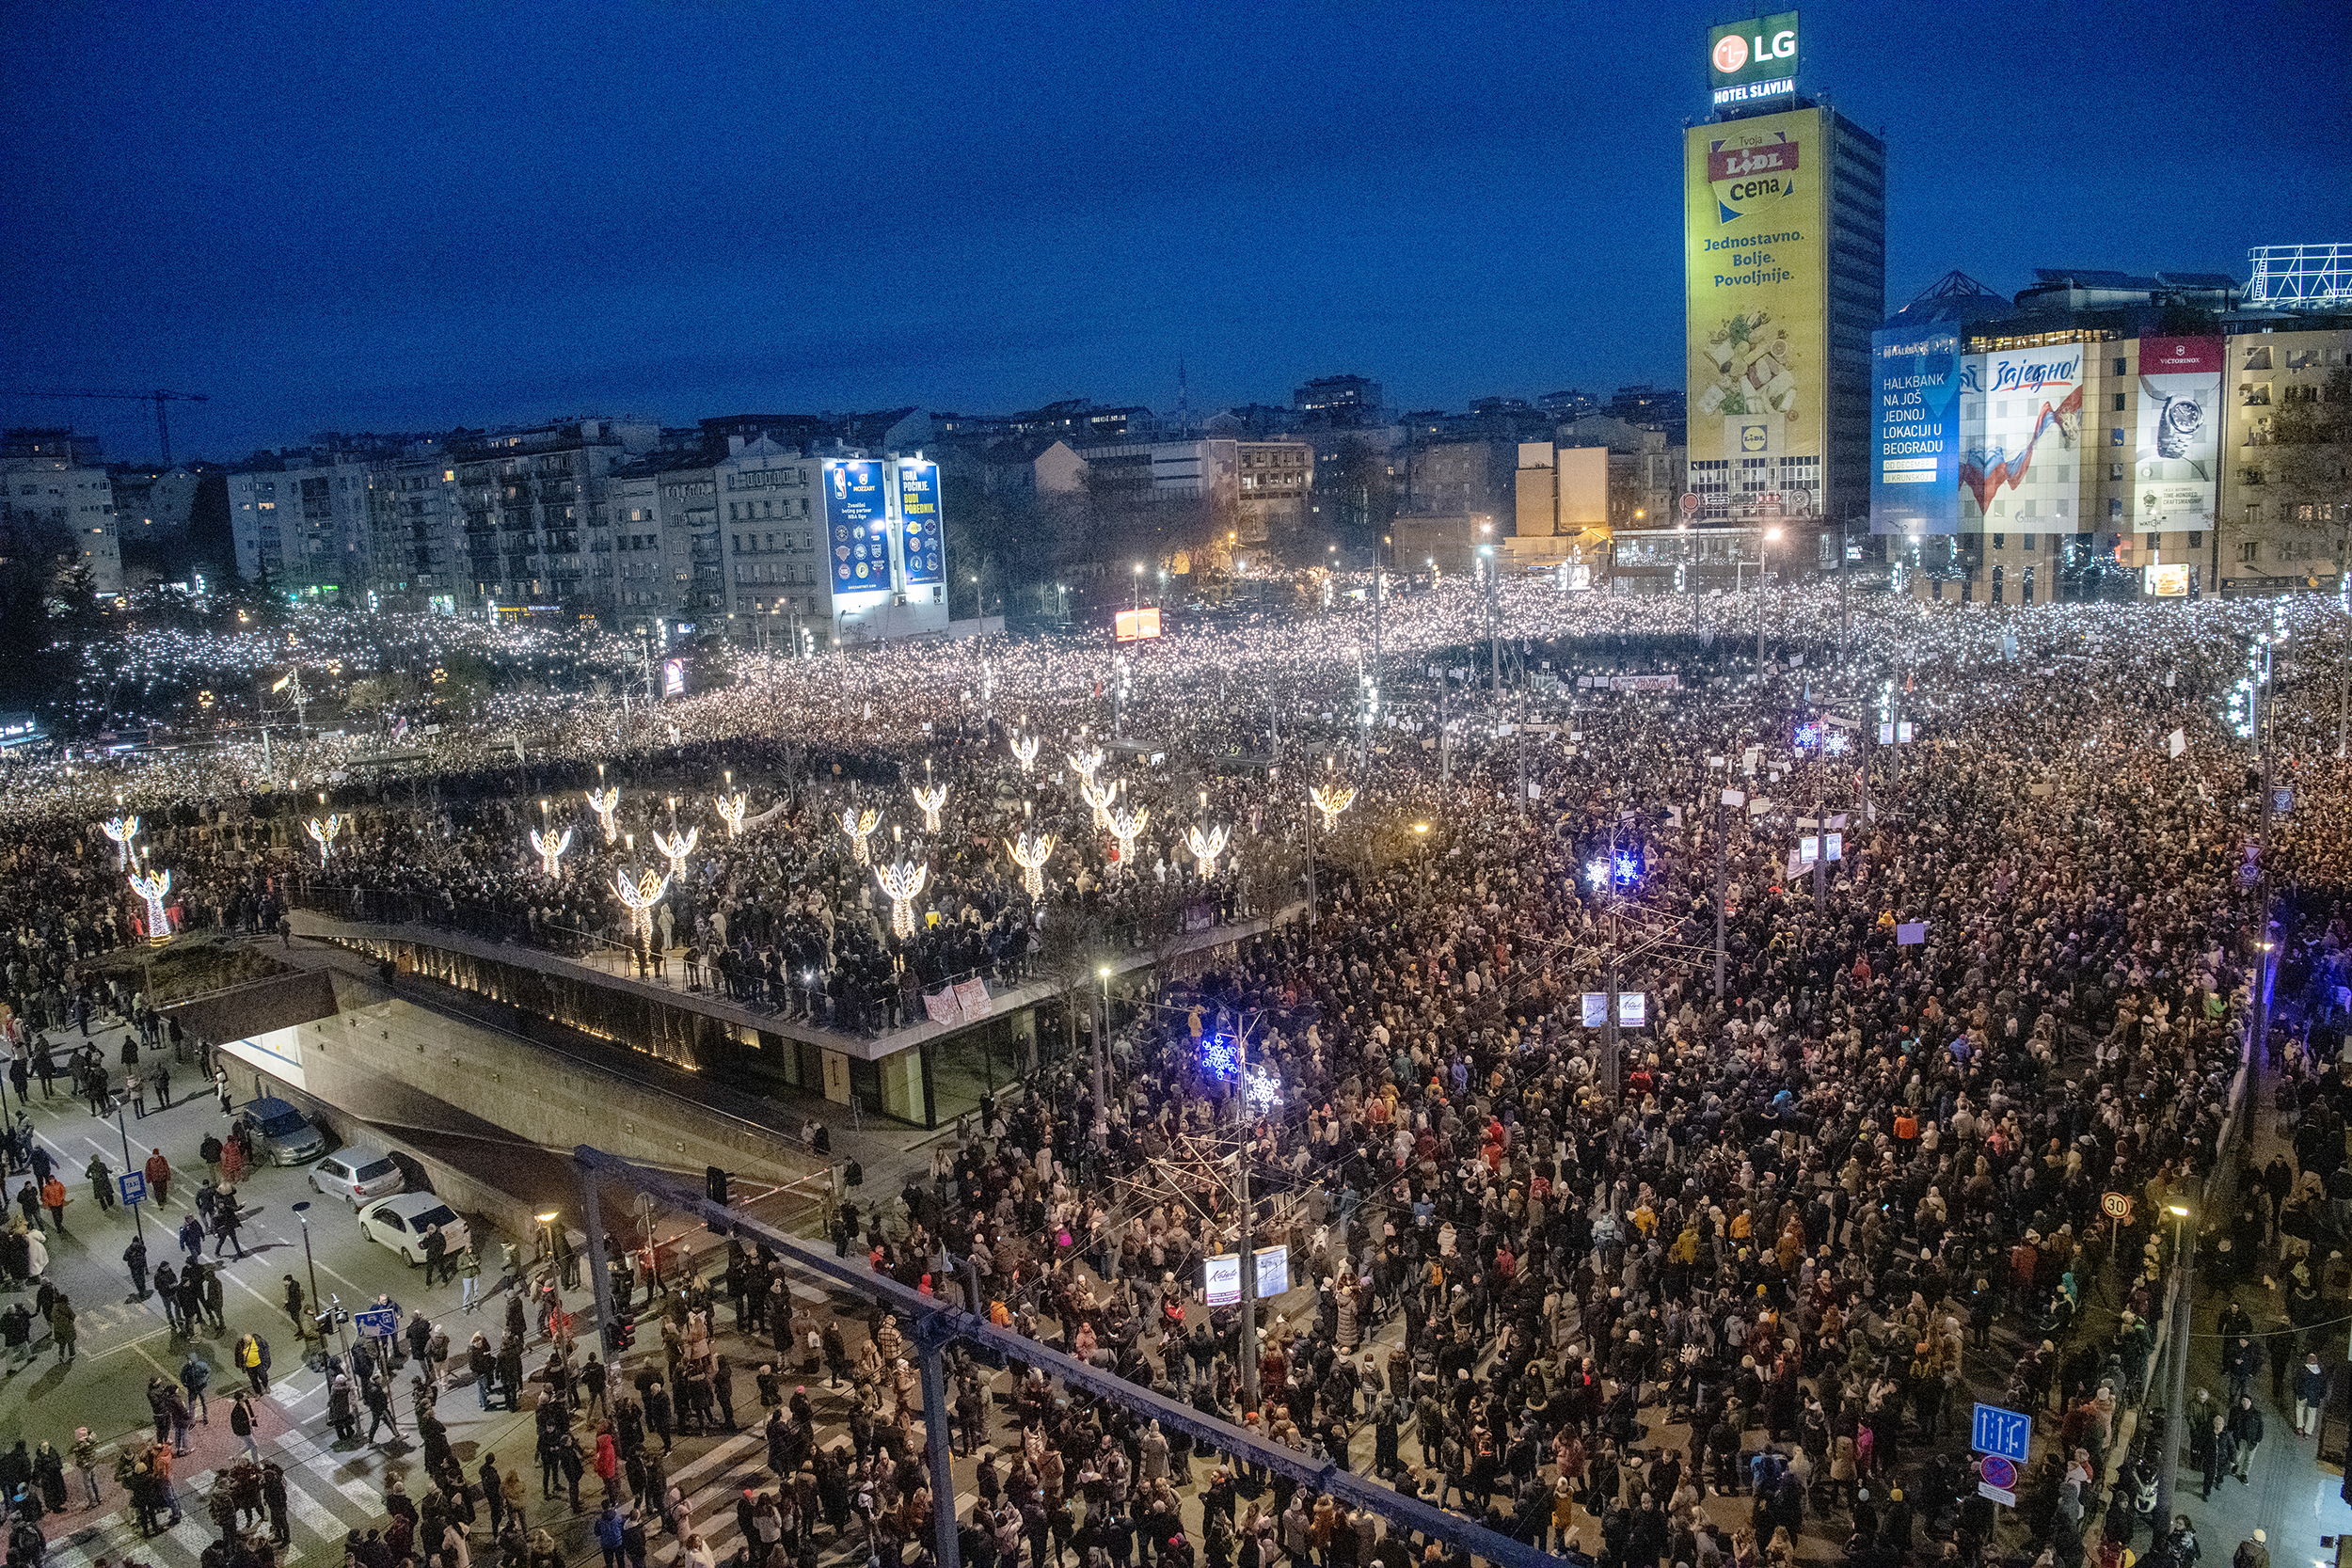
(163, 424)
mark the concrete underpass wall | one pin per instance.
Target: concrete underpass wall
(389, 1062)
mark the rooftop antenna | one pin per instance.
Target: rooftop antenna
(1183, 398)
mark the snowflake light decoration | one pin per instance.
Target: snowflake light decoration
(1126, 826)
(1206, 847)
(731, 809)
(674, 849)
(1024, 751)
(638, 897)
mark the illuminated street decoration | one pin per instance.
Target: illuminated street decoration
(1085, 760)
(904, 882)
(549, 849)
(1332, 799)
(1029, 852)
(1206, 847)
(1024, 751)
(731, 810)
(322, 834)
(1126, 825)
(931, 798)
(1100, 799)
(674, 849)
(604, 802)
(859, 826)
(638, 897)
(1261, 1090)
(1219, 1056)
(152, 886)
(122, 829)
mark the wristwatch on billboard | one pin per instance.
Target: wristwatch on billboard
(2177, 424)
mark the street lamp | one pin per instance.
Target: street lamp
(1137, 600)
(1763, 553)
(1101, 1056)
(302, 1212)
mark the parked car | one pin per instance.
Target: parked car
(401, 1221)
(359, 1174)
(281, 1134)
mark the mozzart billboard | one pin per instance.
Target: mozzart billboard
(1749, 62)
(857, 525)
(1914, 487)
(1756, 271)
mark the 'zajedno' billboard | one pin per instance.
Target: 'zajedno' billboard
(1756, 271)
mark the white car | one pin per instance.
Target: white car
(400, 1221)
(356, 1175)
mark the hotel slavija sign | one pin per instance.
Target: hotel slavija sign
(1755, 268)
(1748, 61)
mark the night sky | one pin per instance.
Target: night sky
(336, 215)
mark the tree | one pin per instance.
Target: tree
(1070, 950)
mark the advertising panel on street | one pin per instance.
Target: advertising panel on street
(1915, 487)
(1223, 1279)
(2168, 582)
(2176, 447)
(1136, 626)
(1274, 1271)
(857, 525)
(1756, 271)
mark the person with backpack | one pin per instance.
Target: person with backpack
(241, 1418)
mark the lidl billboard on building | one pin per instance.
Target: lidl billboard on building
(1749, 62)
(857, 525)
(922, 549)
(1756, 273)
(1914, 486)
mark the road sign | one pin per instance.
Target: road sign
(1997, 1471)
(2005, 1432)
(2116, 1206)
(134, 1187)
(384, 1322)
(1999, 1494)
(1689, 502)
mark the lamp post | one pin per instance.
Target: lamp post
(1102, 1054)
(1763, 552)
(2176, 1353)
(302, 1212)
(137, 1219)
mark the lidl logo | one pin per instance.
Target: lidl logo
(1751, 437)
(1749, 174)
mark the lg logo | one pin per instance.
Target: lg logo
(1733, 53)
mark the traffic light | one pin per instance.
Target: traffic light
(623, 1336)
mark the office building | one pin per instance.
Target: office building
(1785, 269)
(1339, 399)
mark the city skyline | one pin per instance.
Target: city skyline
(449, 222)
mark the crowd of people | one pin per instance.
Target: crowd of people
(1800, 1212)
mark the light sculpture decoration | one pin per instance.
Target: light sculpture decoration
(859, 826)
(674, 849)
(1029, 852)
(122, 829)
(731, 810)
(903, 881)
(323, 832)
(638, 897)
(152, 886)
(931, 798)
(604, 802)
(550, 847)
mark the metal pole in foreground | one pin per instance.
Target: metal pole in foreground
(1306, 816)
(935, 1450)
(1249, 1258)
(599, 1266)
(1718, 893)
(137, 1219)
(2176, 1393)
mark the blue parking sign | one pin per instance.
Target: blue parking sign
(134, 1187)
(2005, 1432)
(380, 1321)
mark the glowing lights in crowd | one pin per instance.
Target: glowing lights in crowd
(605, 802)
(550, 847)
(323, 832)
(731, 810)
(1029, 852)
(638, 897)
(152, 886)
(1126, 825)
(931, 798)
(859, 826)
(675, 848)
(1206, 847)
(122, 829)
(903, 881)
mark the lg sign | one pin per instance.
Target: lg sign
(1733, 52)
(1745, 53)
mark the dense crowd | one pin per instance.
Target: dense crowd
(1801, 1214)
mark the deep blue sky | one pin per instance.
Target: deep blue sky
(406, 216)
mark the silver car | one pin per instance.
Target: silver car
(357, 1174)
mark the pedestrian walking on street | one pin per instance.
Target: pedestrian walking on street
(135, 1258)
(2246, 1430)
(241, 1418)
(252, 1353)
(54, 1198)
(2310, 1395)
(85, 1465)
(469, 1277)
(61, 1329)
(195, 1376)
(158, 1172)
(192, 1239)
(220, 1087)
(102, 1183)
